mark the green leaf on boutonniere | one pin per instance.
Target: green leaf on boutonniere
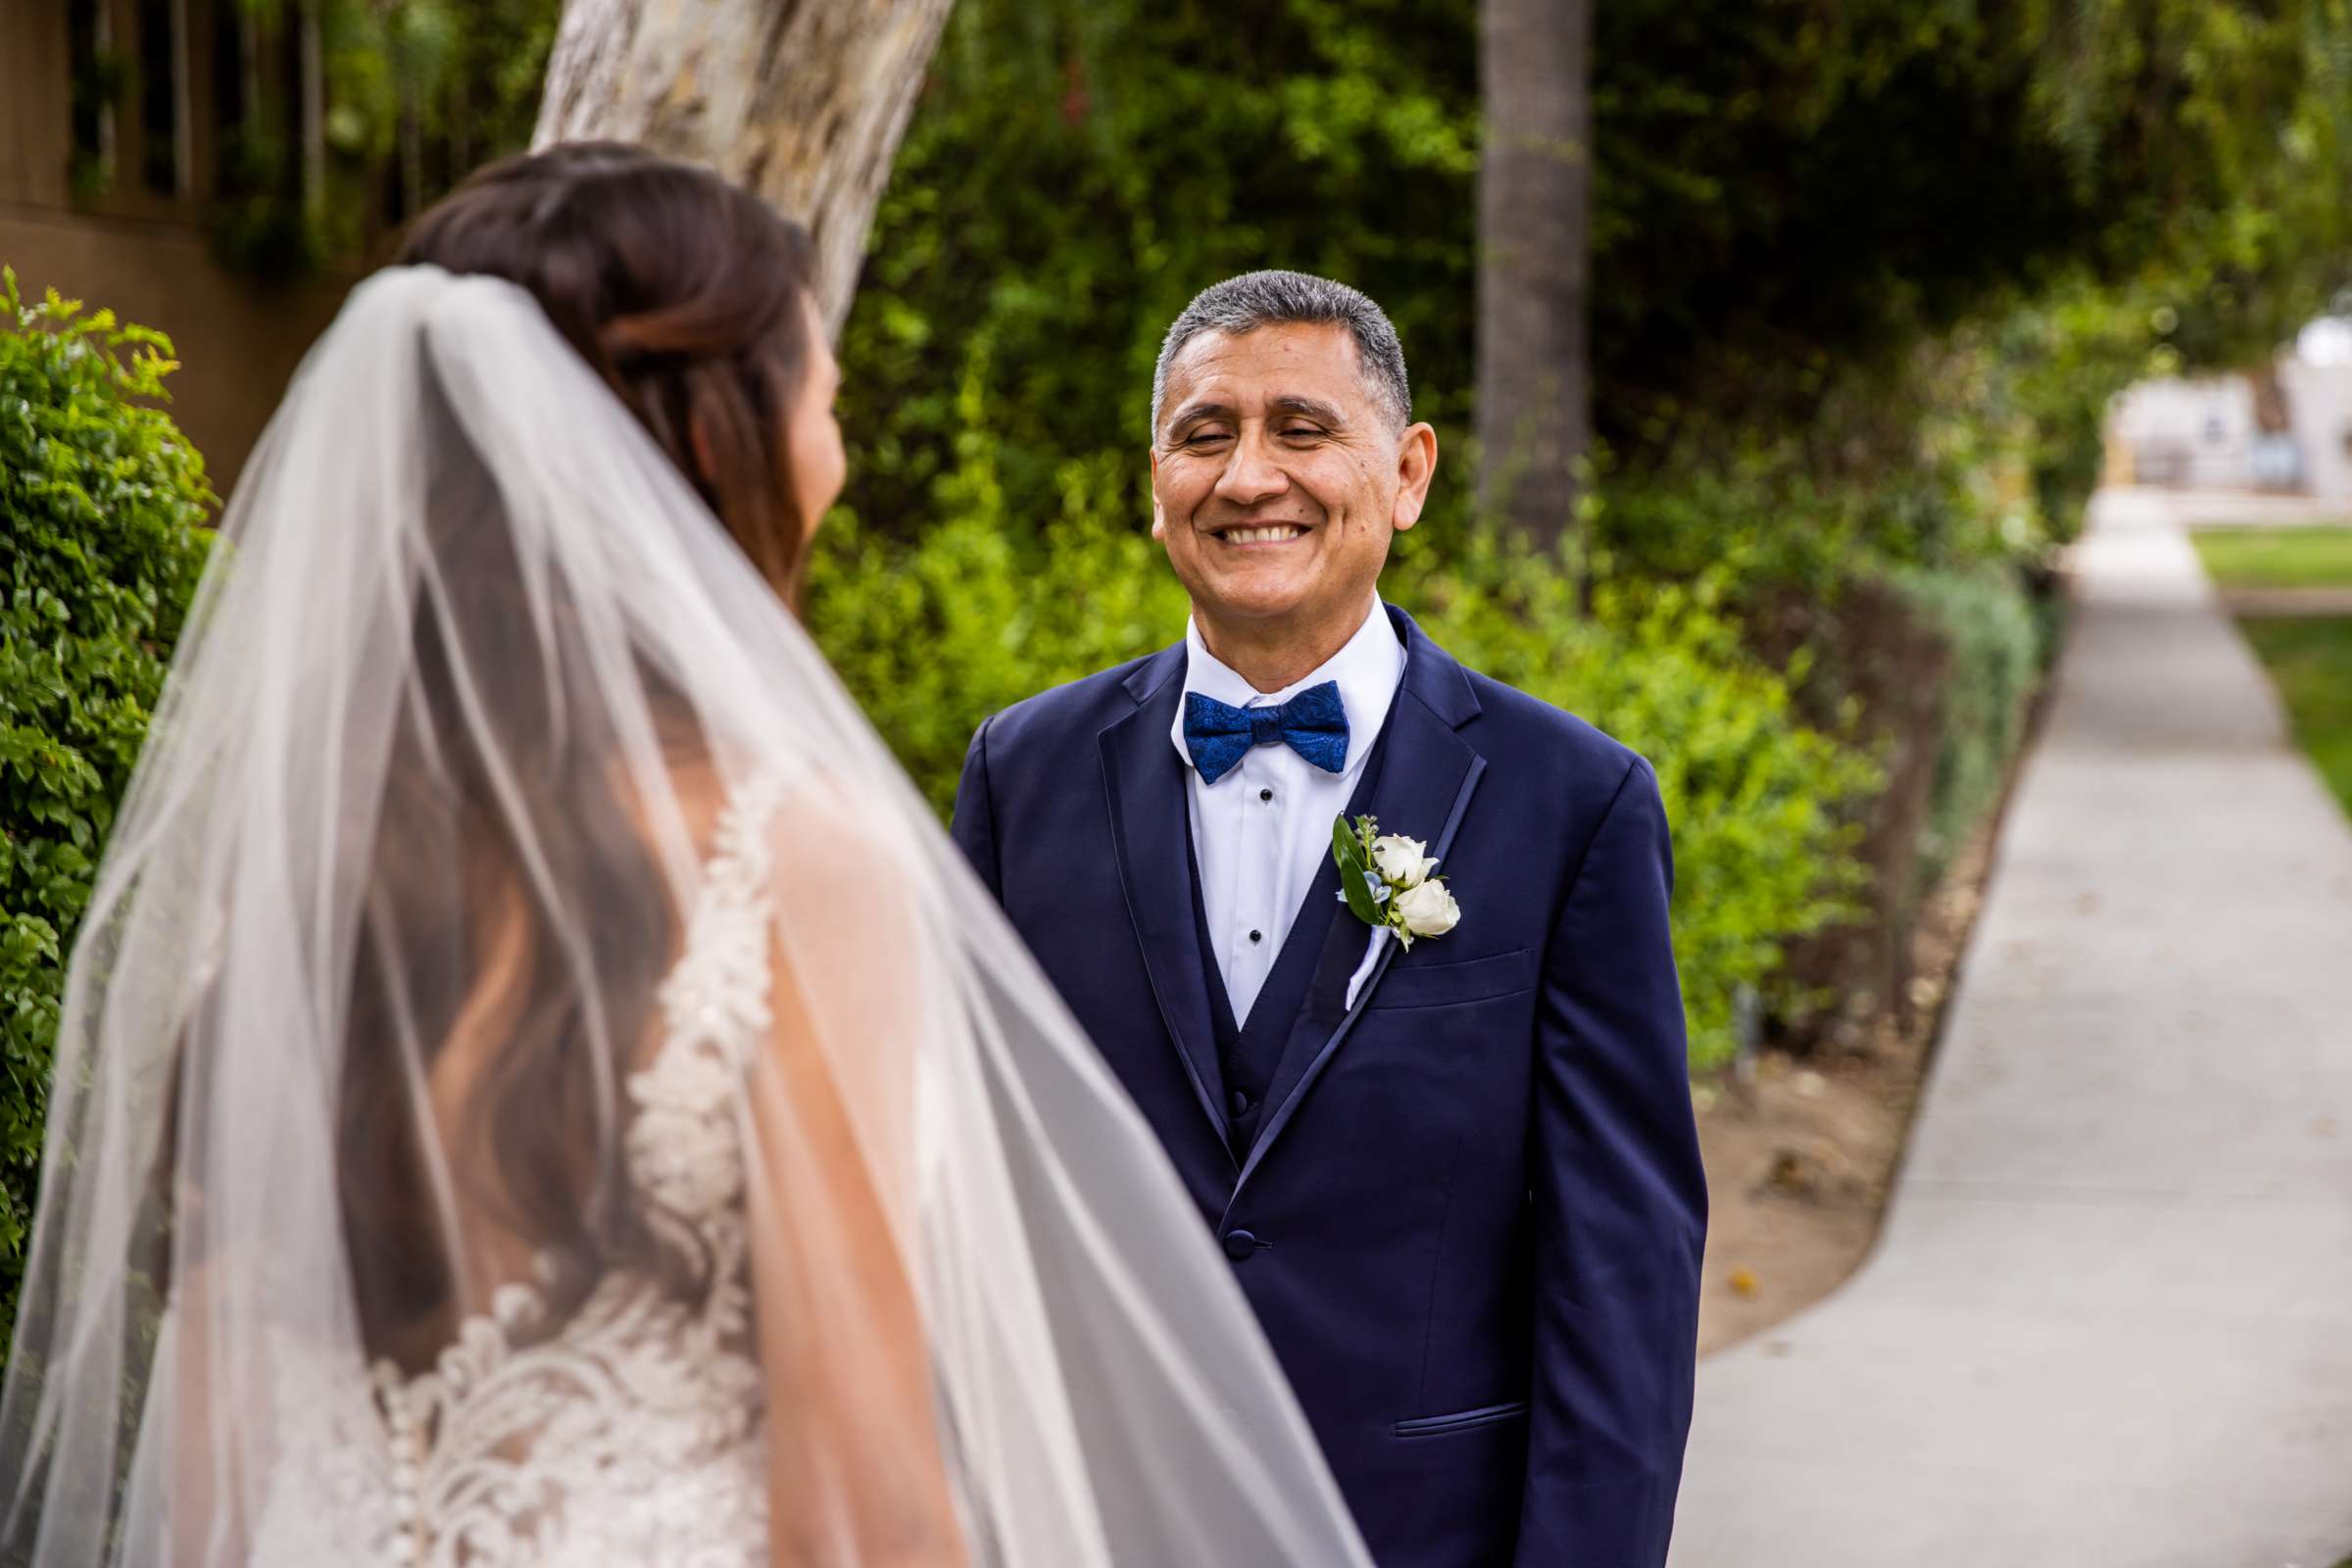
(1347, 850)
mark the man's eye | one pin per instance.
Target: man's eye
(1204, 437)
(1301, 432)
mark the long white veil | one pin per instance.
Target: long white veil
(381, 936)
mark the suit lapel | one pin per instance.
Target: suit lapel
(1145, 784)
(1426, 781)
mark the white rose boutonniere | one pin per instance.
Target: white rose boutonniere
(1428, 910)
(1390, 882)
(1405, 862)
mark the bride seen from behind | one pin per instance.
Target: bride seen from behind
(536, 1087)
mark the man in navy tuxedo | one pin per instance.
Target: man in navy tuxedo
(1459, 1179)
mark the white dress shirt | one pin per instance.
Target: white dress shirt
(1262, 831)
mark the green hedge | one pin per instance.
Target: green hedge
(934, 636)
(1998, 651)
(102, 506)
(1761, 804)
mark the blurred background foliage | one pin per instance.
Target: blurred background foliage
(1839, 227)
(419, 93)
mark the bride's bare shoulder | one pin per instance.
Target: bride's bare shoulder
(855, 843)
(827, 828)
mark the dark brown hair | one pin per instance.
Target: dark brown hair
(687, 296)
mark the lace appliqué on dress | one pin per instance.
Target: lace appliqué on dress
(635, 1430)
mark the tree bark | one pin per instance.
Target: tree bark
(802, 101)
(314, 112)
(1534, 229)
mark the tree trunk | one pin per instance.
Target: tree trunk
(1534, 231)
(314, 112)
(802, 101)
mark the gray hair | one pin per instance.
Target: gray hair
(1254, 300)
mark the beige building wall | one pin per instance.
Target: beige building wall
(237, 343)
(2188, 434)
(142, 255)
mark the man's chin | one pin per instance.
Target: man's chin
(1255, 601)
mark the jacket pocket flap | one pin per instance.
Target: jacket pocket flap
(1441, 985)
(1486, 1415)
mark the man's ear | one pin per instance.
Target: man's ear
(1159, 513)
(1416, 466)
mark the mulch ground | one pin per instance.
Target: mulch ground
(1802, 1155)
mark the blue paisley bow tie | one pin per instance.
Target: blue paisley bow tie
(1313, 724)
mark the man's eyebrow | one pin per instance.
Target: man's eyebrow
(1313, 407)
(1204, 407)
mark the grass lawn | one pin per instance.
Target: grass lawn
(2278, 558)
(2310, 658)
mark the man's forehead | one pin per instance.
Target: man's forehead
(1316, 356)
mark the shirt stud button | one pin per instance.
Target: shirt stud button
(1266, 795)
(1258, 936)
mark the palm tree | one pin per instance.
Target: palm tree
(1534, 204)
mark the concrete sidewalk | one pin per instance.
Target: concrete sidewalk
(2231, 509)
(2109, 1321)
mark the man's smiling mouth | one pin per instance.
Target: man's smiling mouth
(1273, 533)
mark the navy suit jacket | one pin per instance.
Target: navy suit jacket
(1472, 1217)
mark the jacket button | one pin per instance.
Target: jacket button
(1238, 1245)
(1237, 1103)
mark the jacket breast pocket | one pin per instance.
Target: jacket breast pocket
(1452, 985)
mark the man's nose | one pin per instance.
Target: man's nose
(1251, 472)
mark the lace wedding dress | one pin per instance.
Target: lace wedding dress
(632, 1433)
